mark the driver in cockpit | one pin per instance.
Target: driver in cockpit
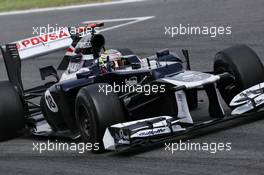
(89, 51)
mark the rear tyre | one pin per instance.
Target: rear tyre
(11, 111)
(245, 67)
(95, 111)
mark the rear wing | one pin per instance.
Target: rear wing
(44, 44)
(39, 45)
(32, 47)
(50, 42)
(13, 64)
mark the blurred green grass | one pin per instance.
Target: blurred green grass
(10, 5)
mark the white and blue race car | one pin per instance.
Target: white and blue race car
(118, 100)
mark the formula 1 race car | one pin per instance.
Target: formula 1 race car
(118, 100)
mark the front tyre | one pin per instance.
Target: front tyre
(245, 67)
(95, 111)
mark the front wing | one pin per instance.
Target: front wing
(128, 135)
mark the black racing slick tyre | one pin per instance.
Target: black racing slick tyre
(11, 111)
(245, 67)
(95, 111)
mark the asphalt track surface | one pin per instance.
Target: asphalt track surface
(246, 155)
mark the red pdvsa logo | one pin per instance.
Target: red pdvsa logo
(43, 39)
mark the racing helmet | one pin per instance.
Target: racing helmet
(112, 57)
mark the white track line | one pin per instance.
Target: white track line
(119, 19)
(130, 21)
(68, 7)
(140, 19)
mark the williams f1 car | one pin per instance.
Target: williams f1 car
(118, 100)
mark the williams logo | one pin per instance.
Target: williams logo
(152, 132)
(50, 102)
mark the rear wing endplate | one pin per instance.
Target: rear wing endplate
(13, 64)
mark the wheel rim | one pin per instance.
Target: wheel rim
(85, 122)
